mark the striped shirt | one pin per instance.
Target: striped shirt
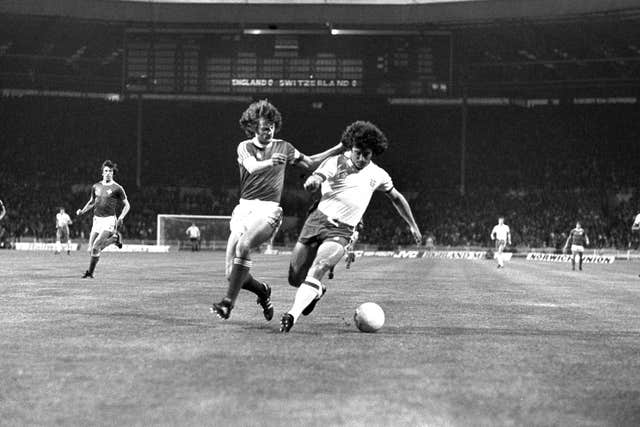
(265, 184)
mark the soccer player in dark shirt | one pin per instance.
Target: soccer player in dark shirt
(262, 160)
(106, 196)
(578, 239)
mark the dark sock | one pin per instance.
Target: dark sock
(237, 277)
(92, 264)
(580, 262)
(252, 285)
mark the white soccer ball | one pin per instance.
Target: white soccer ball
(369, 317)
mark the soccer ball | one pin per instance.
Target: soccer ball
(369, 317)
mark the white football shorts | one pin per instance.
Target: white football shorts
(577, 248)
(248, 212)
(103, 223)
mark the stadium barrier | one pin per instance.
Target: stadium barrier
(42, 246)
(51, 247)
(592, 259)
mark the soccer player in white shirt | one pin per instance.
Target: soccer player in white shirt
(194, 236)
(501, 235)
(63, 221)
(262, 160)
(347, 182)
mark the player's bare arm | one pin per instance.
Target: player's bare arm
(126, 206)
(312, 162)
(403, 208)
(88, 206)
(251, 164)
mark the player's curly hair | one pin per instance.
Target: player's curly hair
(109, 164)
(261, 109)
(365, 135)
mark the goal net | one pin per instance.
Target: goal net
(172, 230)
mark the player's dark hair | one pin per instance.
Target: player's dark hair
(366, 136)
(262, 109)
(109, 164)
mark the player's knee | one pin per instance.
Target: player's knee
(322, 265)
(243, 248)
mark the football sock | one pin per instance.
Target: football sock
(573, 263)
(310, 289)
(237, 277)
(252, 285)
(580, 262)
(92, 264)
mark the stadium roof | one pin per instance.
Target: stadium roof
(388, 12)
(500, 46)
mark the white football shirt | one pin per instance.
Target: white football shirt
(500, 231)
(62, 220)
(347, 191)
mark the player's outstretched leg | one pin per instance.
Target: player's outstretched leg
(263, 291)
(237, 277)
(92, 266)
(312, 305)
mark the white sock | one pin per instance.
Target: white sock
(307, 292)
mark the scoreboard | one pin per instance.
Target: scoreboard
(245, 64)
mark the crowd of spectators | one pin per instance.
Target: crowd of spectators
(542, 169)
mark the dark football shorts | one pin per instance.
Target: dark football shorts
(318, 228)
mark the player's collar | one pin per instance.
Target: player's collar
(257, 143)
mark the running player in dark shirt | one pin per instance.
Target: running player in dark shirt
(106, 196)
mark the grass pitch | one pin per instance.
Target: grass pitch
(464, 344)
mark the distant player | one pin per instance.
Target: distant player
(193, 232)
(578, 239)
(262, 160)
(3, 211)
(63, 221)
(347, 181)
(501, 236)
(106, 196)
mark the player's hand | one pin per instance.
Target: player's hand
(312, 183)
(79, 212)
(119, 222)
(278, 159)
